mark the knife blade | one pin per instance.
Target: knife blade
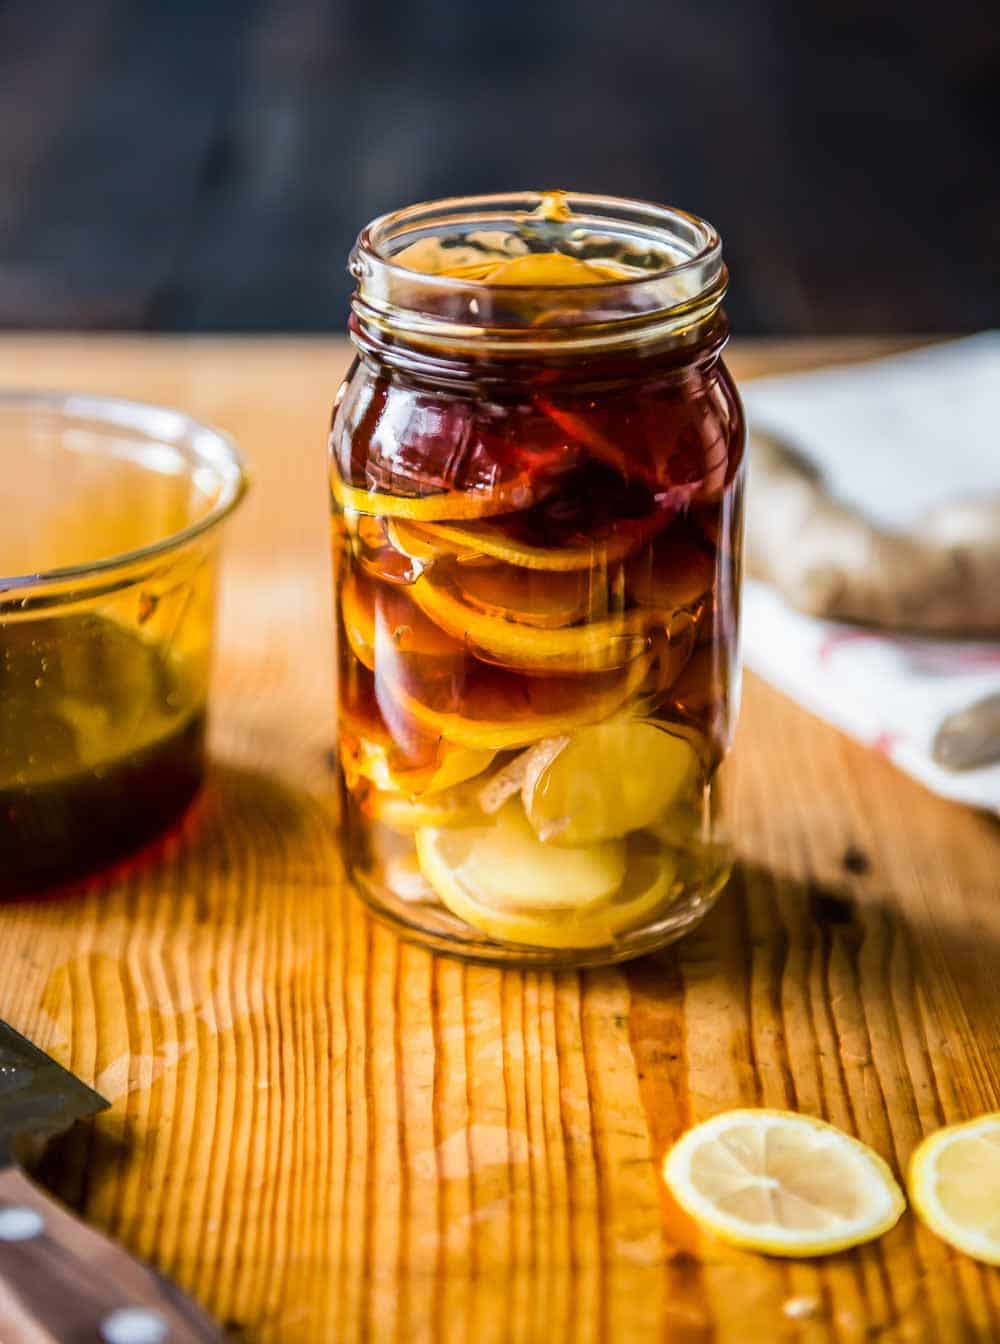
(38, 1097)
(59, 1279)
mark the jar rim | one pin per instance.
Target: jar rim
(654, 219)
(682, 281)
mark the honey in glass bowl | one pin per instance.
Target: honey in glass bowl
(536, 466)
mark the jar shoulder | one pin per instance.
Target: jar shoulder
(658, 427)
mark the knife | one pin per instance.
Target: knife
(60, 1281)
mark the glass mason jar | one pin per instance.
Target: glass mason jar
(536, 466)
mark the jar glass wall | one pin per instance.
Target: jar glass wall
(536, 473)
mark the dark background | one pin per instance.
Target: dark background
(187, 166)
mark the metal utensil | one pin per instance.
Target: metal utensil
(61, 1281)
(970, 737)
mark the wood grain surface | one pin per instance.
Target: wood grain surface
(327, 1135)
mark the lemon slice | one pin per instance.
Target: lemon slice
(608, 779)
(400, 627)
(368, 751)
(488, 257)
(782, 1183)
(506, 866)
(503, 498)
(373, 551)
(955, 1186)
(383, 624)
(359, 620)
(425, 544)
(504, 882)
(553, 268)
(594, 647)
(484, 252)
(404, 814)
(376, 762)
(402, 876)
(493, 710)
(466, 540)
(532, 597)
(675, 572)
(671, 656)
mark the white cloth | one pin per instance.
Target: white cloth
(892, 437)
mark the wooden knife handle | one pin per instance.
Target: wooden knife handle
(63, 1283)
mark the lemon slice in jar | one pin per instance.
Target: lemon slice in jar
(455, 806)
(499, 711)
(503, 881)
(607, 780)
(424, 545)
(955, 1186)
(378, 763)
(505, 497)
(531, 597)
(782, 1183)
(553, 268)
(357, 610)
(369, 751)
(470, 540)
(487, 258)
(505, 864)
(675, 572)
(594, 647)
(382, 624)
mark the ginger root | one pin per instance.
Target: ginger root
(943, 577)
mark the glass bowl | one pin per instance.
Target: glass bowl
(108, 563)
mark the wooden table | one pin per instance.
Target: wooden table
(327, 1135)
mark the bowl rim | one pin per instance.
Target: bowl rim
(164, 423)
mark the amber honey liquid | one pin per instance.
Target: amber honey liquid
(101, 745)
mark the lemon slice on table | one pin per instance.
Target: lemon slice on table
(782, 1183)
(505, 497)
(503, 881)
(468, 540)
(955, 1186)
(494, 710)
(593, 647)
(608, 779)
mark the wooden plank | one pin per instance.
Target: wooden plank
(325, 1134)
